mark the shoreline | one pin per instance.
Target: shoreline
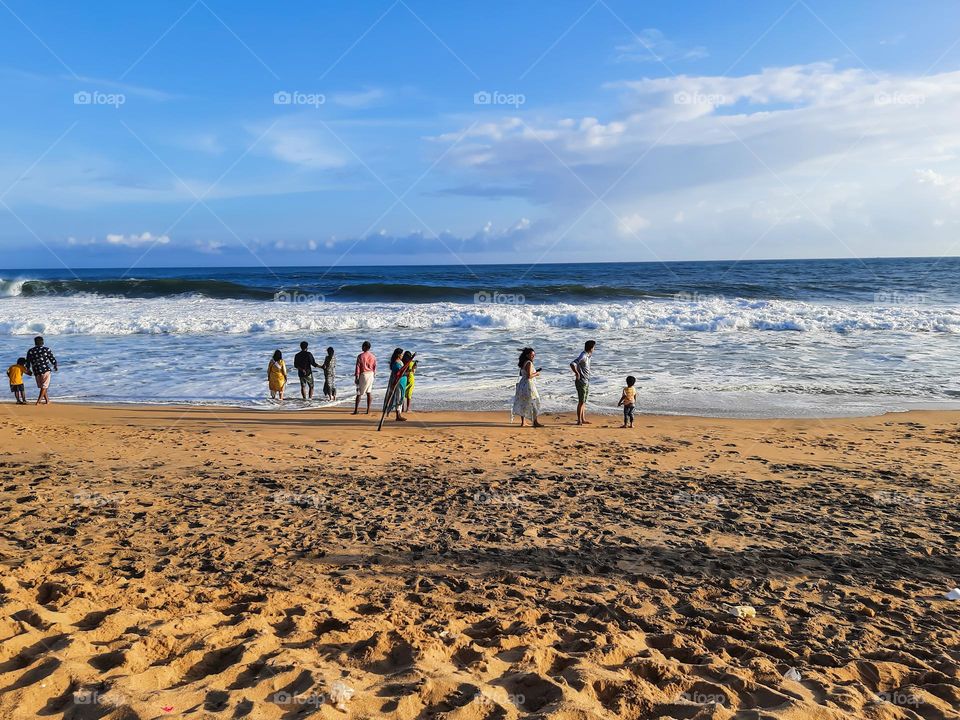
(494, 418)
(454, 566)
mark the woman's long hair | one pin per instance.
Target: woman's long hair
(277, 356)
(525, 356)
(397, 354)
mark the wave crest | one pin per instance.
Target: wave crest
(96, 315)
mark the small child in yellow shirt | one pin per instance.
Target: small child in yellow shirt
(629, 401)
(16, 373)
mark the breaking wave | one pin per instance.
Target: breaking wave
(99, 315)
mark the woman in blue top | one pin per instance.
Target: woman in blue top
(398, 381)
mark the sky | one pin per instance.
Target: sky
(215, 133)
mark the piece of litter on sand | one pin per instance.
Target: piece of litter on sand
(340, 695)
(953, 594)
(743, 611)
(793, 674)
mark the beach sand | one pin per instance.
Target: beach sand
(174, 562)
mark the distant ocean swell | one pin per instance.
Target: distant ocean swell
(132, 288)
(378, 291)
(98, 315)
(360, 292)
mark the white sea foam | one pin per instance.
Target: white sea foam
(92, 315)
(11, 288)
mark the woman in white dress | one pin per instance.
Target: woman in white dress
(526, 401)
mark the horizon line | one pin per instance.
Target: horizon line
(301, 266)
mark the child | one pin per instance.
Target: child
(16, 373)
(330, 376)
(277, 375)
(411, 381)
(629, 400)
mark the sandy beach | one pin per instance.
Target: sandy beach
(207, 563)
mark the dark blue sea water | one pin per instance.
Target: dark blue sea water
(817, 337)
(936, 279)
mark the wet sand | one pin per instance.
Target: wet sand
(213, 563)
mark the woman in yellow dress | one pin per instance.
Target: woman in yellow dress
(277, 376)
(411, 380)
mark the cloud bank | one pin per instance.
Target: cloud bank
(806, 160)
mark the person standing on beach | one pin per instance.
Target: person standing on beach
(363, 376)
(277, 375)
(15, 374)
(330, 375)
(304, 362)
(628, 399)
(411, 381)
(399, 366)
(526, 400)
(41, 362)
(581, 373)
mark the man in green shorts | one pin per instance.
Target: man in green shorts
(581, 373)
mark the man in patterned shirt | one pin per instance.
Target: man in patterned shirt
(41, 361)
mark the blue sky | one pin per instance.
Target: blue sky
(156, 133)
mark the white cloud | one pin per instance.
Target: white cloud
(86, 180)
(932, 177)
(125, 88)
(808, 160)
(633, 224)
(144, 239)
(302, 142)
(651, 45)
(87, 82)
(140, 240)
(209, 247)
(522, 234)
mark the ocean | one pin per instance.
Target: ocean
(757, 339)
